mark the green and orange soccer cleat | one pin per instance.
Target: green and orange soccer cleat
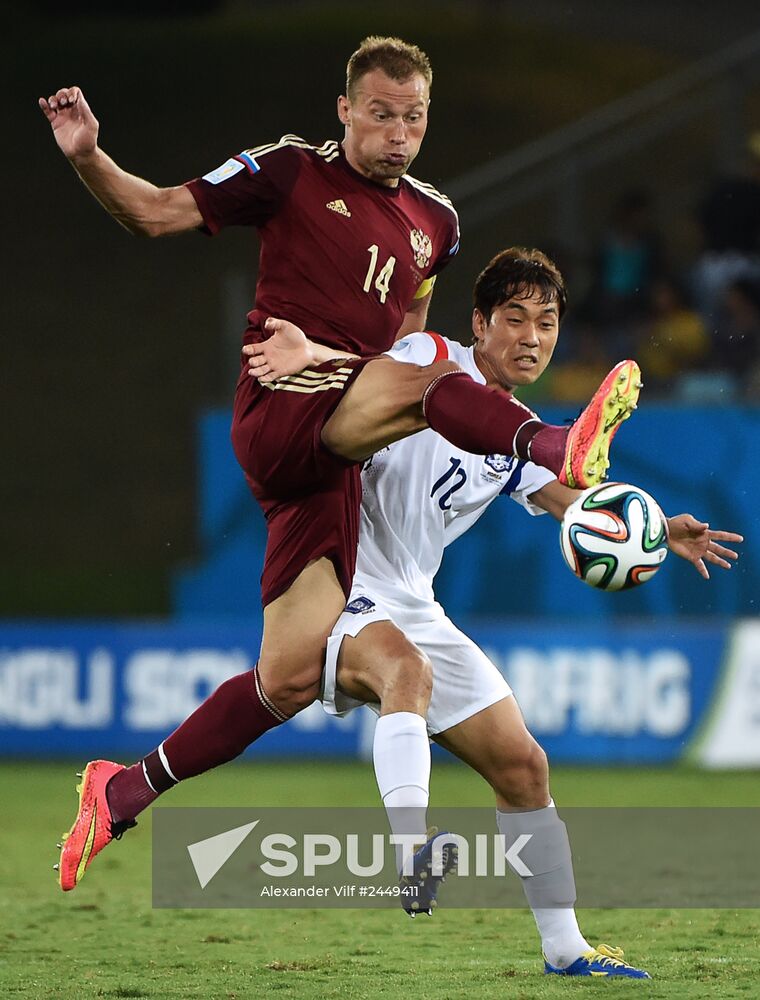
(93, 828)
(588, 441)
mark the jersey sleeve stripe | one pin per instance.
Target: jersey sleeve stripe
(514, 480)
(431, 192)
(441, 347)
(329, 150)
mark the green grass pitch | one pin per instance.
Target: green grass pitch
(104, 940)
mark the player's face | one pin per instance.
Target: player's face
(515, 345)
(385, 125)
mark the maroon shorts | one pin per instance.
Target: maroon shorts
(310, 497)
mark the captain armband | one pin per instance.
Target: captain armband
(425, 288)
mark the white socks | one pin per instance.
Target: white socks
(550, 890)
(401, 755)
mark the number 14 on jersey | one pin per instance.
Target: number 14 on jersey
(383, 279)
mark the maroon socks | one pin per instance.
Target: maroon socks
(228, 721)
(546, 446)
(486, 421)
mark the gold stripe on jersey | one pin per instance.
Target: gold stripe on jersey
(308, 382)
(311, 383)
(308, 374)
(308, 390)
(328, 150)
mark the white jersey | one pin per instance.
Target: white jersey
(422, 493)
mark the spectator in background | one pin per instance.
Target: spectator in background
(730, 219)
(673, 338)
(589, 356)
(626, 262)
(736, 344)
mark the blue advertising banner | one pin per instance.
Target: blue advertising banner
(609, 693)
(634, 694)
(120, 689)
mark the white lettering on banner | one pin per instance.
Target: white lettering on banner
(42, 687)
(732, 735)
(163, 686)
(600, 692)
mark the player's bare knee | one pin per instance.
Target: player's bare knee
(291, 691)
(535, 766)
(530, 766)
(521, 778)
(292, 697)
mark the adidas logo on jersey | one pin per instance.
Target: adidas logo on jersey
(340, 207)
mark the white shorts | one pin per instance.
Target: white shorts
(465, 681)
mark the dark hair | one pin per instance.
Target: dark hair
(396, 58)
(518, 272)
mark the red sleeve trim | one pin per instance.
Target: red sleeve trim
(441, 347)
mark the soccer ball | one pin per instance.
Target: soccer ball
(614, 536)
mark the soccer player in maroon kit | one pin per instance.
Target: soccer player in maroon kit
(350, 248)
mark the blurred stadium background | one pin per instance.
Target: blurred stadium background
(626, 144)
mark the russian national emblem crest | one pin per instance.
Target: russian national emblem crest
(422, 246)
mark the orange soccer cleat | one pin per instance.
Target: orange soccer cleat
(588, 441)
(93, 828)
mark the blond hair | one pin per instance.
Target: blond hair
(396, 58)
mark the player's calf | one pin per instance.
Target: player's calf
(380, 666)
(484, 420)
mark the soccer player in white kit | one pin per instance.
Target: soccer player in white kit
(394, 647)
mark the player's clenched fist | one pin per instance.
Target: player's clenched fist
(74, 126)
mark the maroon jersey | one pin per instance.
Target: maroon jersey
(341, 256)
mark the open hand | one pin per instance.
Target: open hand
(74, 126)
(698, 544)
(286, 352)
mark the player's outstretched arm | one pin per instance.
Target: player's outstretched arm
(287, 351)
(688, 538)
(139, 206)
(697, 543)
(554, 498)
